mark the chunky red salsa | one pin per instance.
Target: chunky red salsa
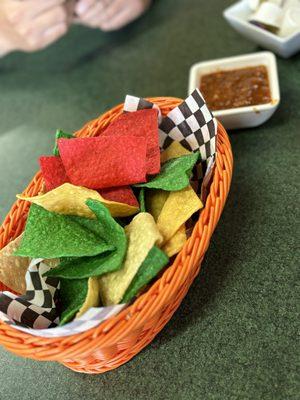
(236, 88)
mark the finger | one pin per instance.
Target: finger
(49, 36)
(124, 17)
(54, 33)
(93, 15)
(29, 9)
(112, 8)
(43, 22)
(134, 7)
(83, 6)
(50, 18)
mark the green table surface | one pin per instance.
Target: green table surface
(235, 334)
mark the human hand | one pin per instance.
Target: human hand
(109, 15)
(31, 25)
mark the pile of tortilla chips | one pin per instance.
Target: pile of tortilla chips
(106, 245)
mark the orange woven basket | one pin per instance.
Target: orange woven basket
(120, 338)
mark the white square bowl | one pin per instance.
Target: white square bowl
(241, 117)
(237, 16)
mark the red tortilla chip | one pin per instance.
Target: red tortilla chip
(122, 194)
(140, 123)
(53, 172)
(101, 162)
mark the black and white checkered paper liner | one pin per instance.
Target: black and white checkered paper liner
(37, 308)
(133, 103)
(92, 318)
(191, 124)
(35, 312)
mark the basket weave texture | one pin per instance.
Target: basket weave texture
(120, 338)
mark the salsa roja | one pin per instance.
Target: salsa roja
(236, 88)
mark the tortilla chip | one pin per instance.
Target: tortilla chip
(13, 268)
(176, 243)
(143, 123)
(155, 200)
(73, 294)
(175, 150)
(51, 235)
(60, 134)
(51, 262)
(174, 175)
(142, 235)
(92, 297)
(104, 161)
(84, 267)
(178, 208)
(142, 200)
(151, 266)
(53, 172)
(68, 199)
(121, 194)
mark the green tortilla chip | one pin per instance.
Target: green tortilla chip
(51, 235)
(60, 134)
(142, 200)
(72, 296)
(153, 263)
(84, 267)
(174, 175)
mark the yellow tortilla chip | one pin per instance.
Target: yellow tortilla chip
(52, 262)
(155, 201)
(13, 268)
(92, 298)
(178, 208)
(70, 200)
(173, 151)
(172, 209)
(142, 235)
(176, 243)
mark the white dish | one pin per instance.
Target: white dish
(237, 16)
(242, 117)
